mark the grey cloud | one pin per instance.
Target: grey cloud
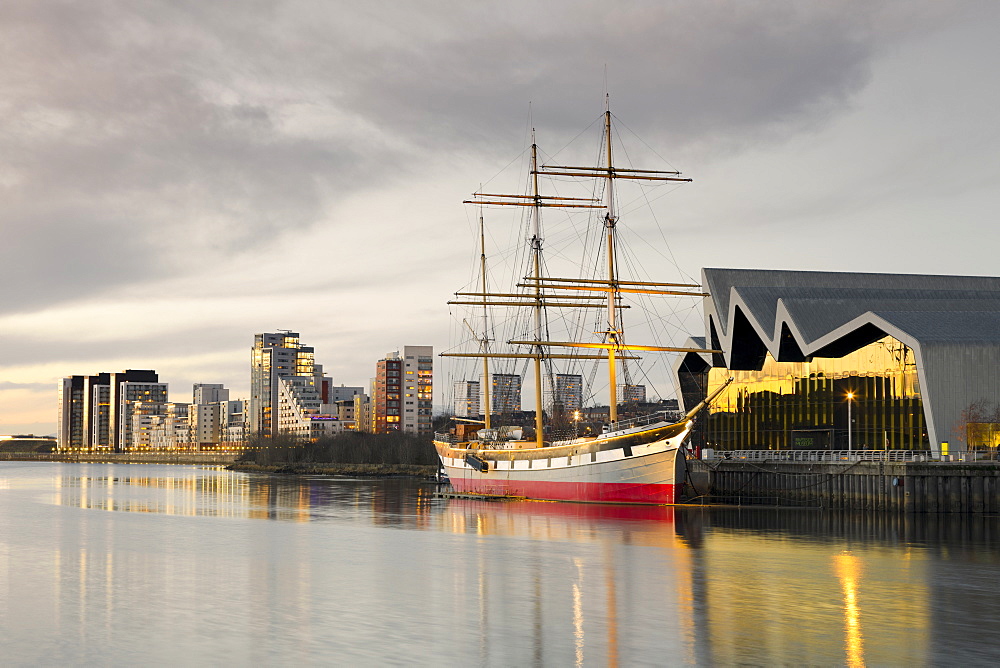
(83, 357)
(691, 73)
(138, 140)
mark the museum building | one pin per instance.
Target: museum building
(838, 361)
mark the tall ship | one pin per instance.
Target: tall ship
(632, 458)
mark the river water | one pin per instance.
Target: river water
(104, 564)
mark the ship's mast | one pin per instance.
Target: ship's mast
(536, 297)
(609, 225)
(485, 342)
(536, 258)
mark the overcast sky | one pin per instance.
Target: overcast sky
(178, 175)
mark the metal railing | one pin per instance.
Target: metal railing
(820, 455)
(971, 456)
(642, 420)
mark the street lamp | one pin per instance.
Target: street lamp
(850, 400)
(576, 423)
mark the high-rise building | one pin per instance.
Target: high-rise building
(568, 395)
(129, 411)
(71, 425)
(418, 389)
(388, 394)
(275, 356)
(404, 388)
(96, 409)
(631, 394)
(506, 397)
(95, 412)
(127, 388)
(299, 402)
(466, 399)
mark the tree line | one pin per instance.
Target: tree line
(346, 448)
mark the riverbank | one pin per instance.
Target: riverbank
(329, 468)
(906, 487)
(229, 460)
(122, 457)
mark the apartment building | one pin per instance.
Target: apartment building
(506, 397)
(631, 394)
(275, 356)
(465, 399)
(95, 412)
(567, 393)
(403, 393)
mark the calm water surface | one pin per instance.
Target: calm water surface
(154, 565)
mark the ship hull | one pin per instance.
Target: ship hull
(622, 470)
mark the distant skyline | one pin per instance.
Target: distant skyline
(179, 176)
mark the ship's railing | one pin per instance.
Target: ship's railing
(554, 435)
(820, 455)
(486, 444)
(642, 420)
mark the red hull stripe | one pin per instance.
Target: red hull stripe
(594, 492)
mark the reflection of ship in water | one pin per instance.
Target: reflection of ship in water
(620, 563)
(630, 524)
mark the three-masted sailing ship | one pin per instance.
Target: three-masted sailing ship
(634, 460)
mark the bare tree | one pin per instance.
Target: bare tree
(979, 425)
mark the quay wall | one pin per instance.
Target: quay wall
(124, 457)
(907, 487)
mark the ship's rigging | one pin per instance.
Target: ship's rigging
(539, 292)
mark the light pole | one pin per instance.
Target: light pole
(850, 400)
(576, 424)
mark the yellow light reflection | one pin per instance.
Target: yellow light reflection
(612, 605)
(578, 612)
(848, 570)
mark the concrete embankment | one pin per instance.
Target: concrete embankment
(124, 458)
(908, 487)
(229, 461)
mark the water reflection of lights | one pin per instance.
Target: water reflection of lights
(600, 586)
(578, 611)
(848, 570)
(205, 493)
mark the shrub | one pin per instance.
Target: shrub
(348, 448)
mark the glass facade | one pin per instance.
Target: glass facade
(805, 405)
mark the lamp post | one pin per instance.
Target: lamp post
(576, 423)
(850, 400)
